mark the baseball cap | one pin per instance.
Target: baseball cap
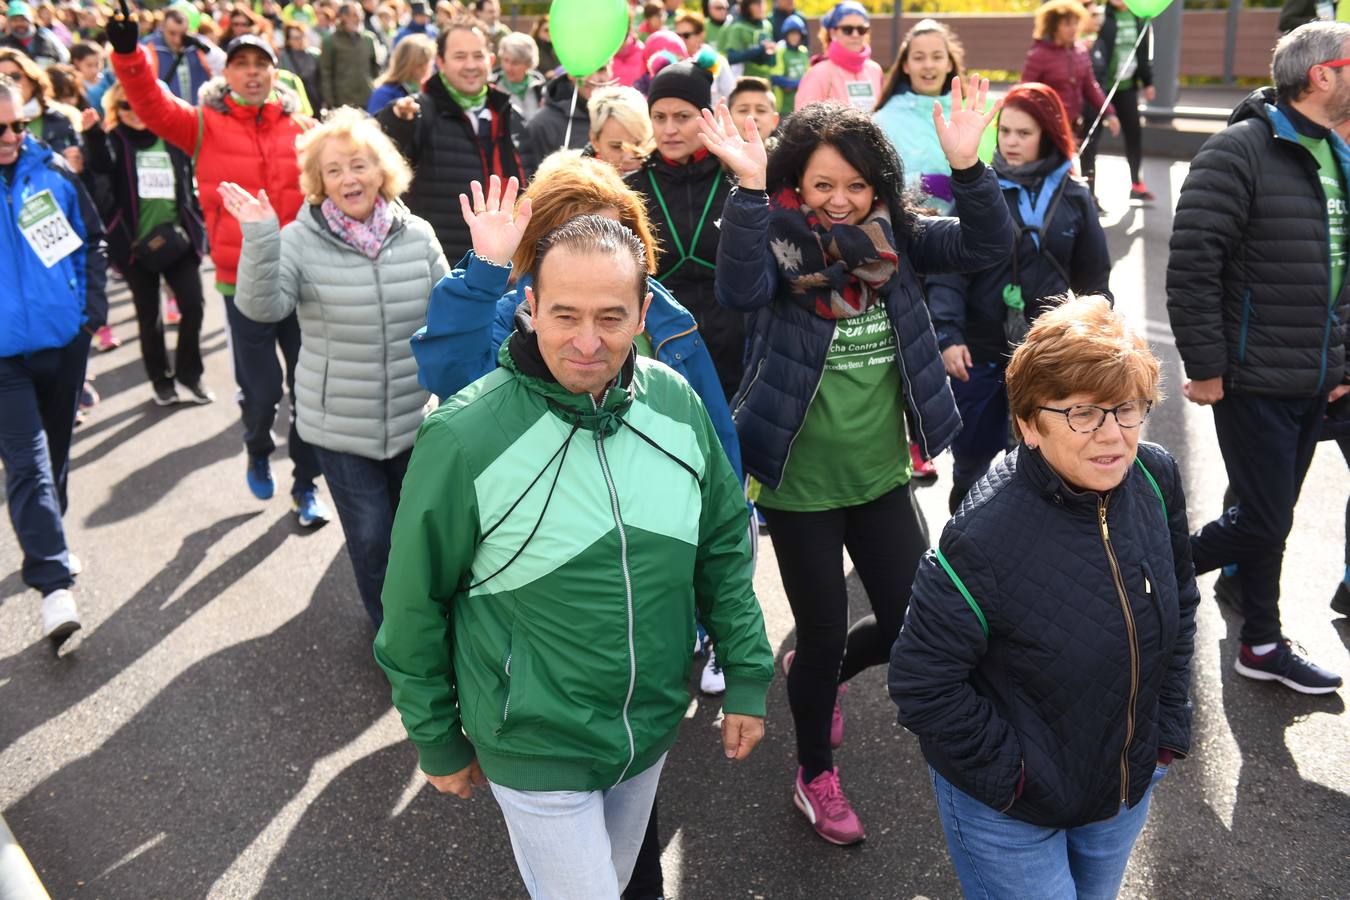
(244, 42)
(18, 9)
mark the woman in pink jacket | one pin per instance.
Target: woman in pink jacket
(1057, 59)
(847, 74)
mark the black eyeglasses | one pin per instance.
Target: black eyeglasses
(124, 106)
(686, 35)
(19, 126)
(1085, 418)
(851, 30)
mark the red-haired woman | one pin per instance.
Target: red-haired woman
(1059, 246)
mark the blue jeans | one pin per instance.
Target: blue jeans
(997, 856)
(365, 492)
(579, 845)
(39, 393)
(257, 371)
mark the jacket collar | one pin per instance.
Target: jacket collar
(1032, 466)
(520, 354)
(701, 167)
(497, 99)
(215, 94)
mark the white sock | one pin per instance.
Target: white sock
(1262, 649)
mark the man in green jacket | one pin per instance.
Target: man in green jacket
(348, 61)
(561, 519)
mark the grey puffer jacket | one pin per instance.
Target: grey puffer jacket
(356, 387)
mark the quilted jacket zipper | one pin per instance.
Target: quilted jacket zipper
(1134, 649)
(627, 587)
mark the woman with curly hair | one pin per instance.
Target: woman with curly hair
(819, 248)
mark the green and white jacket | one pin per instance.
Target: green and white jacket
(547, 558)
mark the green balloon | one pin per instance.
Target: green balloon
(194, 15)
(587, 33)
(1147, 9)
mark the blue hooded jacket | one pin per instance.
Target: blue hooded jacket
(471, 313)
(45, 307)
(196, 73)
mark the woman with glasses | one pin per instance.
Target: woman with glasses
(1045, 660)
(1059, 247)
(847, 74)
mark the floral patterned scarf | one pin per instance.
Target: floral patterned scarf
(368, 236)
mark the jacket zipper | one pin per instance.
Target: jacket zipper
(1134, 649)
(745, 394)
(905, 388)
(506, 707)
(656, 351)
(627, 587)
(814, 391)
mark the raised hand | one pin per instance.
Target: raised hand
(243, 205)
(960, 135)
(744, 155)
(406, 108)
(494, 224)
(123, 33)
(88, 119)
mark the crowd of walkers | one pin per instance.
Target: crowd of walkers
(411, 208)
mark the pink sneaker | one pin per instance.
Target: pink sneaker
(837, 717)
(105, 340)
(828, 810)
(171, 314)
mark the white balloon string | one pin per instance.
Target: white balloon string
(1101, 113)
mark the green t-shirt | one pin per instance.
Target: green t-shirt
(1127, 32)
(1329, 173)
(852, 447)
(154, 189)
(743, 35)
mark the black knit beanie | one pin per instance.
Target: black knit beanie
(684, 81)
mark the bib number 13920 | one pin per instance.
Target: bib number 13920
(47, 229)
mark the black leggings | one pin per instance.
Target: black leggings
(885, 539)
(185, 280)
(1126, 103)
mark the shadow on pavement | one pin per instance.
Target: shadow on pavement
(146, 486)
(165, 806)
(135, 628)
(1288, 834)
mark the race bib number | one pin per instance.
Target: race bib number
(154, 175)
(47, 230)
(860, 95)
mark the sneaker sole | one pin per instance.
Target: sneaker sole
(1258, 675)
(802, 804)
(171, 401)
(63, 631)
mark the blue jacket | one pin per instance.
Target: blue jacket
(471, 313)
(413, 28)
(787, 344)
(45, 308)
(969, 309)
(383, 95)
(197, 75)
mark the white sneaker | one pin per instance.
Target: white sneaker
(712, 681)
(73, 563)
(59, 617)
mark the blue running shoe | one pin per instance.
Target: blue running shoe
(309, 509)
(260, 480)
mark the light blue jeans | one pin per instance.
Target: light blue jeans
(579, 845)
(997, 856)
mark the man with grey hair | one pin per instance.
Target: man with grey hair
(54, 301)
(1255, 295)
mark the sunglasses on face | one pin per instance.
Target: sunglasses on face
(18, 126)
(123, 106)
(686, 35)
(851, 30)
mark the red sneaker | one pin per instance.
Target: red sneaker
(827, 809)
(924, 470)
(105, 340)
(1138, 191)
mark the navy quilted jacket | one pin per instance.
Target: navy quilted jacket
(1072, 677)
(787, 344)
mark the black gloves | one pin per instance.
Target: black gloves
(123, 34)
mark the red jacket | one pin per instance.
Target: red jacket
(252, 146)
(1069, 71)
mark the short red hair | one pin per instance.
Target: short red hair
(1042, 103)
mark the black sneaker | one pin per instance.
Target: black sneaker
(1288, 668)
(1340, 601)
(1228, 590)
(165, 395)
(198, 393)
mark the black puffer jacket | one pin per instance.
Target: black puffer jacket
(679, 197)
(446, 153)
(545, 131)
(114, 156)
(1248, 275)
(1079, 677)
(1104, 47)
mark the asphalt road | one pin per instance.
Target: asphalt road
(219, 727)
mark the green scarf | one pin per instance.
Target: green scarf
(465, 101)
(242, 102)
